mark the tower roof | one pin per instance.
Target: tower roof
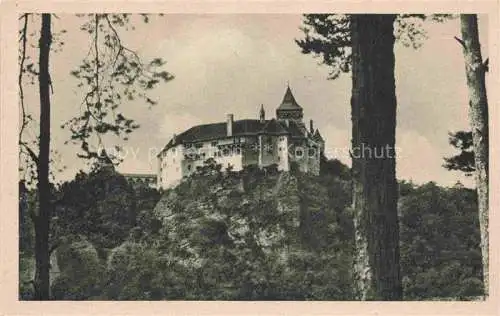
(262, 112)
(317, 136)
(289, 102)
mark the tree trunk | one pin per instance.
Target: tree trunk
(478, 116)
(375, 194)
(42, 286)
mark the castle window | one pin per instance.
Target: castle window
(198, 145)
(238, 151)
(312, 152)
(279, 159)
(173, 150)
(225, 152)
(187, 145)
(189, 167)
(299, 153)
(214, 144)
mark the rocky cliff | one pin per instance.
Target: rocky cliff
(259, 228)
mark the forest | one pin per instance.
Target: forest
(249, 235)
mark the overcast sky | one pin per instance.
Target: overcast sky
(233, 63)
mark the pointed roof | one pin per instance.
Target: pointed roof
(262, 113)
(273, 127)
(289, 102)
(317, 136)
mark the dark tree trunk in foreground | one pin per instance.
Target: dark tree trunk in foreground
(42, 286)
(478, 116)
(373, 158)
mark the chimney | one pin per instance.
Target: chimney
(311, 125)
(174, 139)
(229, 125)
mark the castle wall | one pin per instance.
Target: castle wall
(250, 151)
(282, 147)
(170, 167)
(234, 160)
(225, 152)
(306, 155)
(182, 161)
(268, 150)
(314, 161)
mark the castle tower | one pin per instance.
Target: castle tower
(289, 109)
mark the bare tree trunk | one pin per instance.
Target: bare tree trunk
(478, 116)
(375, 193)
(42, 285)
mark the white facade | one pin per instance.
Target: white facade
(170, 167)
(182, 160)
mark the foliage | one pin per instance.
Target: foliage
(132, 273)
(440, 254)
(27, 205)
(110, 67)
(81, 270)
(334, 168)
(111, 74)
(328, 36)
(464, 161)
(278, 237)
(99, 206)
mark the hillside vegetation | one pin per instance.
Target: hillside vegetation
(250, 235)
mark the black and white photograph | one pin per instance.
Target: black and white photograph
(253, 157)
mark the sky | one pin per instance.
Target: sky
(233, 63)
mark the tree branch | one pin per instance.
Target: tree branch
(460, 41)
(21, 71)
(31, 153)
(486, 65)
(96, 47)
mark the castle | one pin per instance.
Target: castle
(279, 141)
